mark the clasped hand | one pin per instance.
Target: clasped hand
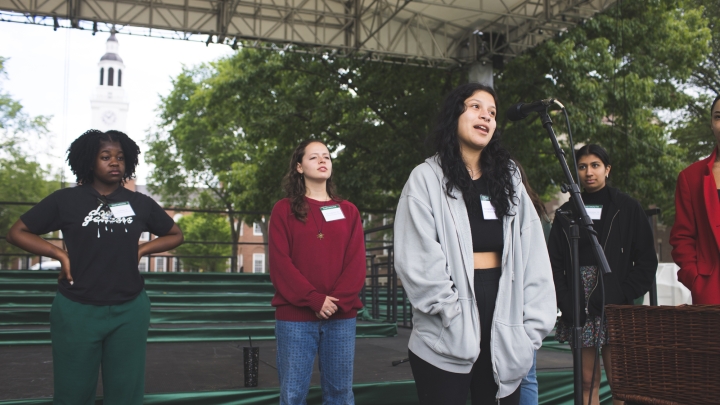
(328, 308)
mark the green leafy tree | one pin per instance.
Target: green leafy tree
(15, 123)
(21, 178)
(706, 75)
(613, 74)
(201, 227)
(230, 128)
(693, 132)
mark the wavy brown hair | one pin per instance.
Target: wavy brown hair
(294, 182)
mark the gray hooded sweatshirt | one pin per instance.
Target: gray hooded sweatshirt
(434, 259)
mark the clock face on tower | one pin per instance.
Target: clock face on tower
(108, 117)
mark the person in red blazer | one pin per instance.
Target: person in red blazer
(695, 236)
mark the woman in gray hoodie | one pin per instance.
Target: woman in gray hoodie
(470, 251)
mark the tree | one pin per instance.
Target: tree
(16, 124)
(230, 127)
(199, 227)
(21, 178)
(613, 73)
(693, 130)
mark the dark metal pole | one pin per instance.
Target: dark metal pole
(577, 307)
(582, 220)
(653, 288)
(578, 207)
(391, 270)
(374, 290)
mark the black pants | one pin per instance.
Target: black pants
(440, 387)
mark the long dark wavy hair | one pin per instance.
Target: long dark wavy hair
(495, 161)
(82, 154)
(294, 183)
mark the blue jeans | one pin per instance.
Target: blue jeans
(297, 345)
(529, 386)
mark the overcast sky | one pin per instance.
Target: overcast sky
(36, 77)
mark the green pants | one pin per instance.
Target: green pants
(86, 337)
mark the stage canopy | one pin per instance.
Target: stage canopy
(434, 32)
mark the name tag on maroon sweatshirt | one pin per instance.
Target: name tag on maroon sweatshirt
(332, 213)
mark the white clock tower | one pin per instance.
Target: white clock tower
(109, 105)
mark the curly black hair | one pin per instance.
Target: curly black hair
(495, 163)
(82, 154)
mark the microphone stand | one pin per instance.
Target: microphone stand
(582, 220)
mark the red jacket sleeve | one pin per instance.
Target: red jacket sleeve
(684, 233)
(286, 278)
(351, 280)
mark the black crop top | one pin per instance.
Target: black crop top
(487, 235)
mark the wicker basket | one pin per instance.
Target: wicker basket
(665, 355)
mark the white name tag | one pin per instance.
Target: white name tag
(594, 211)
(487, 208)
(121, 209)
(332, 213)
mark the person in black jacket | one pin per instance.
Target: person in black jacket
(625, 236)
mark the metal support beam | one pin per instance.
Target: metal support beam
(424, 32)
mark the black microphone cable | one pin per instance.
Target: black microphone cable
(570, 138)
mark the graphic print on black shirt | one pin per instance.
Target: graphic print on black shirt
(101, 215)
(103, 249)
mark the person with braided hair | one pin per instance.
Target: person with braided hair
(100, 317)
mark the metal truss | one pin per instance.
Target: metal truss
(434, 32)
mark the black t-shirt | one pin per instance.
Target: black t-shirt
(487, 235)
(585, 252)
(103, 249)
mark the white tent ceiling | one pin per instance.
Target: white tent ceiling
(435, 32)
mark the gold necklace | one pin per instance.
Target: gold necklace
(319, 229)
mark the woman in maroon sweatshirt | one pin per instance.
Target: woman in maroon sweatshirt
(317, 265)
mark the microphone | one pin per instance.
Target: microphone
(520, 111)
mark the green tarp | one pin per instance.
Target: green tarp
(163, 299)
(239, 286)
(555, 389)
(199, 334)
(157, 316)
(149, 277)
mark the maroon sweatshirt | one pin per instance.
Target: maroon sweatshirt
(305, 269)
